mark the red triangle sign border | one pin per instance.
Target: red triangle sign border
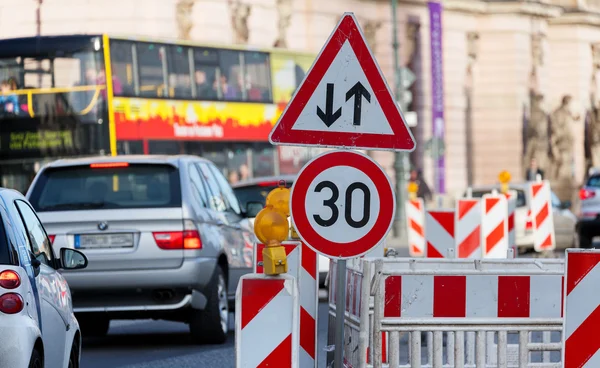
(401, 139)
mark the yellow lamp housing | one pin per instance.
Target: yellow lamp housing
(279, 198)
(271, 228)
(412, 189)
(504, 179)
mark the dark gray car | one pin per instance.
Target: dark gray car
(165, 236)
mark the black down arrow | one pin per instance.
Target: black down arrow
(358, 91)
(329, 117)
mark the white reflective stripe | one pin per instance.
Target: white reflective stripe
(482, 296)
(417, 296)
(594, 361)
(468, 223)
(278, 312)
(305, 359)
(308, 292)
(582, 301)
(545, 297)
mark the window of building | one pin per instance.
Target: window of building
(206, 74)
(257, 77)
(152, 66)
(180, 81)
(121, 56)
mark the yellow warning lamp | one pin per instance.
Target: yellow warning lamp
(271, 227)
(504, 179)
(413, 188)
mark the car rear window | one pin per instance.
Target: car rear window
(255, 193)
(594, 181)
(521, 200)
(107, 187)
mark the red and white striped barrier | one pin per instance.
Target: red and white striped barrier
(415, 222)
(302, 264)
(581, 347)
(266, 321)
(494, 228)
(439, 233)
(511, 196)
(468, 228)
(473, 296)
(541, 214)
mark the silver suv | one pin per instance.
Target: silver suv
(164, 235)
(588, 224)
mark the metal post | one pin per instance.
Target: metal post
(401, 161)
(340, 303)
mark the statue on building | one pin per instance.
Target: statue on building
(536, 133)
(284, 16)
(239, 21)
(562, 147)
(370, 28)
(183, 16)
(592, 134)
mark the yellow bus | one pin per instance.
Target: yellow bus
(78, 95)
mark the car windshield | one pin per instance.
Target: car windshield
(256, 193)
(521, 200)
(4, 248)
(107, 187)
(594, 181)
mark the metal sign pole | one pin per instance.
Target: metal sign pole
(340, 299)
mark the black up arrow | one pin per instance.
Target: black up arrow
(358, 91)
(329, 117)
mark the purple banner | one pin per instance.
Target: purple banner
(437, 90)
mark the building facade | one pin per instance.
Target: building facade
(519, 77)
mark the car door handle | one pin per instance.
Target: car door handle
(220, 223)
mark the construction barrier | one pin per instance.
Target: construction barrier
(468, 228)
(582, 309)
(494, 229)
(542, 218)
(415, 222)
(439, 233)
(302, 265)
(266, 321)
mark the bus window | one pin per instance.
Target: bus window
(151, 70)
(206, 74)
(231, 81)
(180, 83)
(121, 56)
(257, 76)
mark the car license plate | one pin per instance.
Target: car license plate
(123, 240)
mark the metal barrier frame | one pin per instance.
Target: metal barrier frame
(394, 326)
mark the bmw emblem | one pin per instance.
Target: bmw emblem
(102, 226)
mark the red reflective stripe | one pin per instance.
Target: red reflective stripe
(445, 219)
(465, 206)
(449, 296)
(280, 357)
(256, 294)
(416, 227)
(494, 237)
(583, 342)
(307, 333)
(470, 244)
(535, 188)
(393, 297)
(432, 252)
(513, 296)
(309, 260)
(579, 265)
(490, 203)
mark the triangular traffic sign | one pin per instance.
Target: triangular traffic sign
(344, 100)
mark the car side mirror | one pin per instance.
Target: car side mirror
(71, 259)
(35, 264)
(253, 208)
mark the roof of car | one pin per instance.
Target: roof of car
(144, 159)
(262, 179)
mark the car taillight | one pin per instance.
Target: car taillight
(9, 279)
(11, 303)
(51, 237)
(189, 238)
(586, 194)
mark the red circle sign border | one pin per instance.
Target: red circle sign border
(387, 204)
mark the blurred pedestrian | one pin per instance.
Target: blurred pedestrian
(416, 176)
(234, 177)
(533, 171)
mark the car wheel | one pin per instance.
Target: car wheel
(74, 355)
(210, 326)
(36, 361)
(93, 326)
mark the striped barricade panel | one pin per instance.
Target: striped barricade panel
(541, 215)
(494, 228)
(302, 264)
(582, 309)
(511, 197)
(468, 228)
(415, 222)
(439, 233)
(266, 322)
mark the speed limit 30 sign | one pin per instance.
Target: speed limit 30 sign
(342, 204)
